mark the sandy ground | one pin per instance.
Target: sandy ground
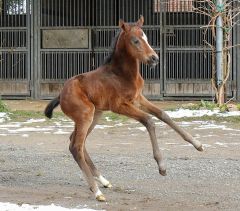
(39, 105)
(37, 168)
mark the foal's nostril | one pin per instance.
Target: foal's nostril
(154, 59)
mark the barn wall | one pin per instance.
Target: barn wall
(43, 46)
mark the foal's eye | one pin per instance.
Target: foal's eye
(135, 41)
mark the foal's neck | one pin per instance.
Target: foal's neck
(125, 65)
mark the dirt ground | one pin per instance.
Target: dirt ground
(37, 168)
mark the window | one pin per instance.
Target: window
(174, 5)
(16, 7)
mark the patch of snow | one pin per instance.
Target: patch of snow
(103, 126)
(13, 125)
(221, 144)
(159, 123)
(211, 126)
(29, 129)
(210, 135)
(29, 121)
(207, 145)
(108, 119)
(186, 145)
(25, 135)
(163, 149)
(172, 143)
(26, 207)
(141, 128)
(3, 117)
(60, 132)
(230, 113)
(227, 144)
(118, 124)
(199, 113)
(208, 125)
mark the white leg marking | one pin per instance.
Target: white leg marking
(98, 193)
(103, 181)
(99, 196)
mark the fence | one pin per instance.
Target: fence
(45, 42)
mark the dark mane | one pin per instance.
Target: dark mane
(108, 59)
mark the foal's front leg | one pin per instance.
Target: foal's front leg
(160, 114)
(97, 175)
(95, 172)
(77, 148)
(131, 111)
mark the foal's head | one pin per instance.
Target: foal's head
(136, 43)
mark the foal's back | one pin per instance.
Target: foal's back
(102, 87)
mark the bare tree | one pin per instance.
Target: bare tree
(222, 15)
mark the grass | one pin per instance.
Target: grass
(202, 105)
(3, 107)
(209, 106)
(114, 117)
(21, 115)
(238, 106)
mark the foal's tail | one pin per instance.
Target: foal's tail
(49, 109)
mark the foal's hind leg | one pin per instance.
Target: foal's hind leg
(89, 161)
(160, 114)
(133, 112)
(83, 121)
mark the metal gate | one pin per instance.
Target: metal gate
(75, 36)
(187, 59)
(15, 48)
(45, 42)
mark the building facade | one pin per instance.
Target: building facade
(45, 42)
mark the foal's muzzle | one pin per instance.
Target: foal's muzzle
(153, 60)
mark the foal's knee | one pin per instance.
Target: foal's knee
(76, 151)
(162, 115)
(149, 124)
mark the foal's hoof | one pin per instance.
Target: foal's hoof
(200, 148)
(109, 185)
(163, 172)
(198, 145)
(101, 198)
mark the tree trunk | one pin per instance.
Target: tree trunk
(221, 95)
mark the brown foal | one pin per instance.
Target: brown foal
(116, 86)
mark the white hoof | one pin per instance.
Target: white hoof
(99, 196)
(109, 185)
(198, 145)
(103, 181)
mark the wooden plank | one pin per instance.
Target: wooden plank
(50, 89)
(151, 89)
(170, 88)
(187, 88)
(179, 88)
(13, 88)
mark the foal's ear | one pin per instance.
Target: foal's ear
(123, 25)
(140, 21)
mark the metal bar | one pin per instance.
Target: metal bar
(238, 60)
(36, 43)
(219, 45)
